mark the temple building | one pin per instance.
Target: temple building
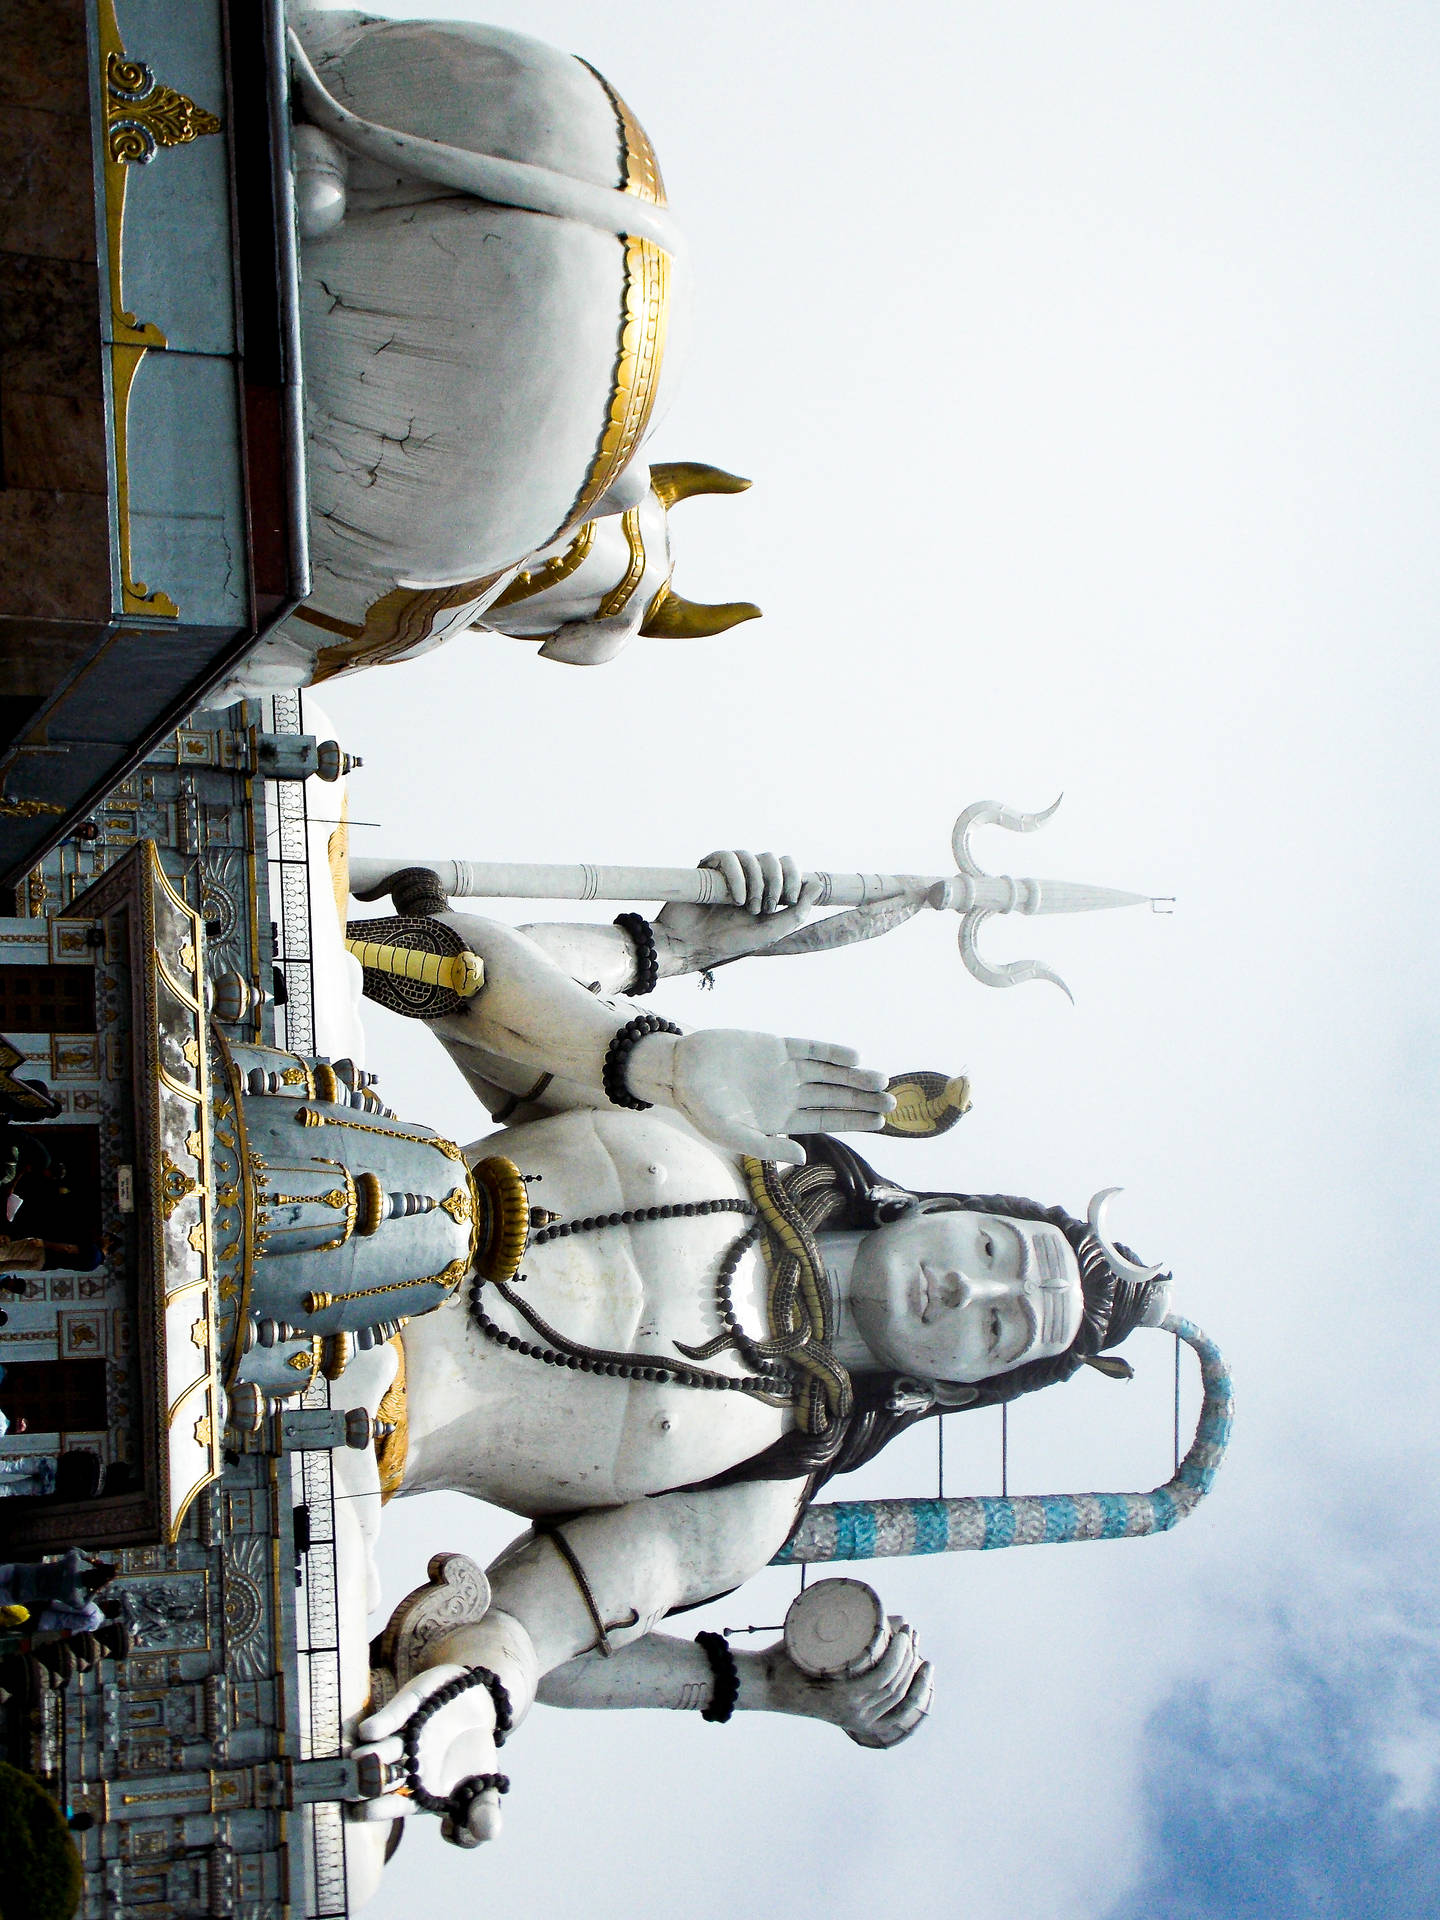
(205, 1213)
(206, 1219)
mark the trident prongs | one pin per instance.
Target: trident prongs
(1010, 973)
(992, 813)
(975, 895)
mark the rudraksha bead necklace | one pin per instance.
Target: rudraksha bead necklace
(768, 1382)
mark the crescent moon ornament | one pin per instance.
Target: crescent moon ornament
(1095, 1214)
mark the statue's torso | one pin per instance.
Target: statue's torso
(538, 1438)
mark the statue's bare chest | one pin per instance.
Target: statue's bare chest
(580, 1430)
(644, 1285)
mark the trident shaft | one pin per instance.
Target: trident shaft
(876, 901)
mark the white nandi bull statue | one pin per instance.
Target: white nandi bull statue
(489, 271)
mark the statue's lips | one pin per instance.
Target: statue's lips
(924, 1290)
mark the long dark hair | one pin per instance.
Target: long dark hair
(837, 1188)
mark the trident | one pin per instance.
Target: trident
(876, 902)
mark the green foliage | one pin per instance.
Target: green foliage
(43, 1875)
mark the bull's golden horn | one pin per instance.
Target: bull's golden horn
(683, 479)
(674, 618)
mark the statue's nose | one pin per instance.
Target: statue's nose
(959, 1289)
(956, 1290)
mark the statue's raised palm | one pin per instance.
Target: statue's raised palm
(748, 1091)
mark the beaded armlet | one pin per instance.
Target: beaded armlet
(647, 955)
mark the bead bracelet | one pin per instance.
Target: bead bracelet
(716, 1649)
(617, 1056)
(647, 955)
(462, 1797)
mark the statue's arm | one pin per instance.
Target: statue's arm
(745, 1091)
(639, 1562)
(768, 901)
(878, 1709)
(620, 1570)
(609, 1576)
(602, 959)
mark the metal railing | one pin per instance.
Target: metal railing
(288, 856)
(317, 1612)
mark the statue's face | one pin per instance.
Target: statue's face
(962, 1296)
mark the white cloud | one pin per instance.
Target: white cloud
(1411, 1756)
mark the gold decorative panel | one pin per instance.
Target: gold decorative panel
(141, 117)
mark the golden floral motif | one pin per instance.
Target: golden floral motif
(196, 1237)
(175, 1186)
(142, 116)
(458, 1206)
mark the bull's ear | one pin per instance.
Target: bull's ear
(674, 618)
(682, 479)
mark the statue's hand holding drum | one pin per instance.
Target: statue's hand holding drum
(844, 1660)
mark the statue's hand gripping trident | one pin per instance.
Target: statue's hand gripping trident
(873, 902)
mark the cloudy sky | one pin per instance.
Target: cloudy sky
(1083, 359)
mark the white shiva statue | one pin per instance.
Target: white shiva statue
(693, 1306)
